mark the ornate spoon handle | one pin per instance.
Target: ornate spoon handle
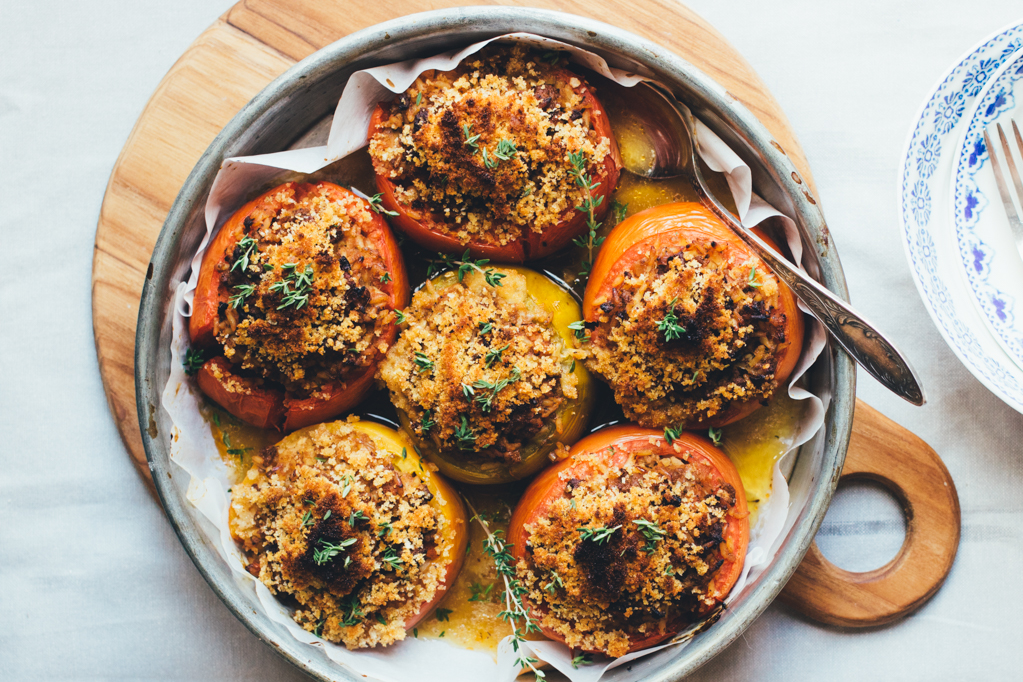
(858, 338)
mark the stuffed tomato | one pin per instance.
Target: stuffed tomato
(485, 374)
(495, 156)
(629, 539)
(687, 324)
(294, 306)
(344, 519)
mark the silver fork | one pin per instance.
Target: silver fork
(1003, 186)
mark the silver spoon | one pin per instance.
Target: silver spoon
(669, 125)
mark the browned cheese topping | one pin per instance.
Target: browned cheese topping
(485, 148)
(306, 307)
(479, 369)
(329, 523)
(625, 551)
(685, 335)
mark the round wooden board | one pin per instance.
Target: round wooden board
(257, 40)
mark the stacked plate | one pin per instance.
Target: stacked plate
(954, 227)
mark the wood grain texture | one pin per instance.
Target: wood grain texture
(880, 450)
(257, 40)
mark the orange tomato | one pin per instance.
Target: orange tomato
(614, 446)
(245, 398)
(673, 226)
(432, 232)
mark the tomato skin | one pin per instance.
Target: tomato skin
(272, 408)
(241, 396)
(676, 224)
(425, 229)
(614, 445)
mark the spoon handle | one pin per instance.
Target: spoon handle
(858, 338)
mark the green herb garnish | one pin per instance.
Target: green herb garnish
(423, 362)
(669, 324)
(247, 245)
(376, 203)
(589, 206)
(328, 550)
(579, 327)
(652, 533)
(466, 438)
(715, 435)
(494, 354)
(598, 534)
(244, 291)
(494, 387)
(193, 363)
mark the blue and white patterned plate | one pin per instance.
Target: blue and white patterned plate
(924, 183)
(987, 252)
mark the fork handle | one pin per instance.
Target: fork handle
(855, 335)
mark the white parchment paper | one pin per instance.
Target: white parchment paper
(193, 448)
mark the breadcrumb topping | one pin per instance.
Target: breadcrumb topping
(626, 551)
(479, 369)
(687, 334)
(484, 149)
(326, 520)
(306, 308)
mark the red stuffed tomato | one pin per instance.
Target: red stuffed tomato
(629, 539)
(295, 304)
(688, 326)
(495, 156)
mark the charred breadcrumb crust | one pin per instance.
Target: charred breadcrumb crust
(726, 353)
(599, 593)
(445, 145)
(336, 331)
(459, 338)
(332, 487)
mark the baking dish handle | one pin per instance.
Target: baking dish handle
(882, 451)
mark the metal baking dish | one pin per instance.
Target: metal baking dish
(303, 97)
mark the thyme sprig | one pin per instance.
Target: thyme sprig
(494, 354)
(471, 141)
(427, 421)
(494, 387)
(753, 281)
(302, 280)
(598, 534)
(247, 245)
(669, 323)
(193, 360)
(652, 533)
(464, 434)
(244, 291)
(328, 550)
(579, 328)
(423, 362)
(589, 206)
(715, 435)
(497, 548)
(671, 434)
(445, 261)
(506, 149)
(376, 203)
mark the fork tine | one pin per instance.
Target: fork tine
(1003, 189)
(1010, 162)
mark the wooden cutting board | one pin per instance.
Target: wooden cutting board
(257, 40)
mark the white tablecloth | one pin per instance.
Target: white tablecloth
(93, 582)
